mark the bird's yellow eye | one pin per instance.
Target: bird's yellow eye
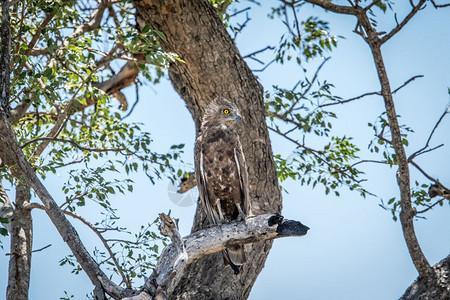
(226, 111)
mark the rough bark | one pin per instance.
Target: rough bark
(21, 247)
(435, 286)
(6, 208)
(5, 57)
(213, 67)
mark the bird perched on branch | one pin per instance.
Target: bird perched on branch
(221, 171)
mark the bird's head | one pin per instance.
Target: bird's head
(222, 111)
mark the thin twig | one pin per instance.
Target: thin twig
(420, 151)
(265, 67)
(426, 174)
(134, 104)
(439, 5)
(429, 206)
(406, 83)
(415, 9)
(240, 11)
(350, 99)
(369, 161)
(12, 2)
(429, 150)
(371, 4)
(317, 154)
(311, 83)
(99, 235)
(43, 248)
(35, 39)
(259, 51)
(50, 139)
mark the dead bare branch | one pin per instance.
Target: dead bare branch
(183, 251)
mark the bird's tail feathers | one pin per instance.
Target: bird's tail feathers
(235, 257)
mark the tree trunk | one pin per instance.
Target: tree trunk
(21, 247)
(213, 67)
(435, 286)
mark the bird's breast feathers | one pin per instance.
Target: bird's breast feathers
(220, 169)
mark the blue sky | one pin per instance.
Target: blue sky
(354, 249)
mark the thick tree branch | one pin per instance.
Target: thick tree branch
(183, 251)
(340, 9)
(126, 76)
(18, 112)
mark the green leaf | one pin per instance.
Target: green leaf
(3, 231)
(146, 29)
(4, 220)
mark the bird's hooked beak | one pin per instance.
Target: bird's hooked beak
(238, 118)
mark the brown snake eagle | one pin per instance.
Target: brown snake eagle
(221, 172)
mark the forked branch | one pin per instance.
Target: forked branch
(414, 10)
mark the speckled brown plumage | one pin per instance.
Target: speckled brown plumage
(221, 171)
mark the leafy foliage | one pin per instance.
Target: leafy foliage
(305, 39)
(65, 51)
(64, 54)
(329, 165)
(298, 115)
